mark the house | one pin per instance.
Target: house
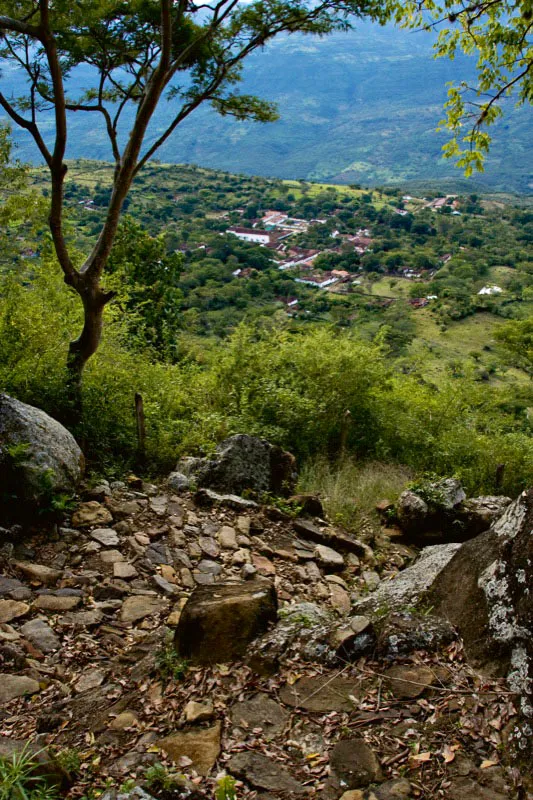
(273, 218)
(418, 302)
(254, 235)
(445, 258)
(491, 290)
(319, 279)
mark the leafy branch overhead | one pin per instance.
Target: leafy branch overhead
(499, 34)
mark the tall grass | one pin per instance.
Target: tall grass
(351, 490)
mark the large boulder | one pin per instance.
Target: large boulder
(242, 462)
(218, 622)
(485, 590)
(38, 456)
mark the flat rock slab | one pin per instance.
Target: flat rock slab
(328, 558)
(40, 635)
(260, 711)
(140, 606)
(202, 746)
(8, 585)
(38, 572)
(219, 622)
(12, 686)
(90, 679)
(331, 537)
(12, 609)
(320, 693)
(262, 772)
(409, 681)
(106, 536)
(52, 602)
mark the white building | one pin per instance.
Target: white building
(250, 235)
(491, 290)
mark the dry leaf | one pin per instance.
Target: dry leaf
(447, 754)
(421, 757)
(488, 763)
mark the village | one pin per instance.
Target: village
(274, 229)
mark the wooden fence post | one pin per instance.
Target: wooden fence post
(346, 422)
(141, 426)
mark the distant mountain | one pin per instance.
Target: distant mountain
(360, 107)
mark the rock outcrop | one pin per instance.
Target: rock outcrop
(440, 511)
(38, 456)
(486, 592)
(239, 463)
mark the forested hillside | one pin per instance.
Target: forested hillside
(361, 106)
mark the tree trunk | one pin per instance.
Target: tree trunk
(81, 349)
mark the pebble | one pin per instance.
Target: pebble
(228, 538)
(209, 546)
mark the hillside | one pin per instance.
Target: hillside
(349, 114)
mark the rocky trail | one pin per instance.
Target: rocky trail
(331, 701)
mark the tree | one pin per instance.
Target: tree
(500, 34)
(517, 338)
(141, 51)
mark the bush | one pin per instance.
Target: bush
(292, 388)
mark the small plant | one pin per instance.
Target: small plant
(428, 491)
(159, 778)
(53, 502)
(20, 780)
(17, 453)
(170, 665)
(127, 786)
(69, 760)
(226, 788)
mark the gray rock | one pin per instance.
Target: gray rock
(409, 585)
(242, 462)
(354, 764)
(328, 558)
(12, 686)
(260, 711)
(48, 458)
(208, 497)
(262, 772)
(105, 536)
(9, 585)
(478, 513)
(431, 509)
(178, 482)
(40, 635)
